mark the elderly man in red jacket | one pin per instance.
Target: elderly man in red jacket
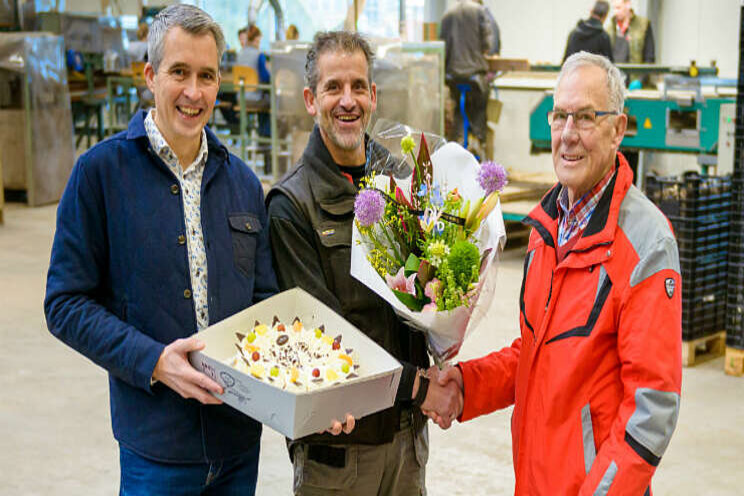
(595, 376)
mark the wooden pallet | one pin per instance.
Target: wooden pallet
(703, 349)
(734, 364)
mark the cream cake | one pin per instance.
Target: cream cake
(296, 358)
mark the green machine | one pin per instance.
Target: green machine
(680, 119)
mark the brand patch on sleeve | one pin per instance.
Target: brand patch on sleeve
(669, 286)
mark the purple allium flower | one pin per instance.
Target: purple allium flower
(492, 177)
(369, 207)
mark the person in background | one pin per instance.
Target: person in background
(229, 99)
(632, 42)
(310, 220)
(252, 56)
(292, 33)
(595, 377)
(137, 50)
(243, 37)
(631, 36)
(589, 35)
(467, 35)
(160, 233)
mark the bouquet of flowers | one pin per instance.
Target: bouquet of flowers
(427, 232)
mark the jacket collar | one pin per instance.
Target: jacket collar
(329, 187)
(601, 227)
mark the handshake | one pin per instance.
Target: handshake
(444, 398)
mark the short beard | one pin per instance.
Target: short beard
(331, 134)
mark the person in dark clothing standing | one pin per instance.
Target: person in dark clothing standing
(310, 224)
(467, 34)
(589, 35)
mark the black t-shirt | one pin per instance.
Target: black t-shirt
(356, 173)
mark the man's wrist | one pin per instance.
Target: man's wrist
(423, 388)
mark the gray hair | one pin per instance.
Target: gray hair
(615, 78)
(191, 19)
(332, 41)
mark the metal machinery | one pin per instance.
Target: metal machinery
(94, 46)
(35, 124)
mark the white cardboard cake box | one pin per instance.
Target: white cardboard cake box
(298, 414)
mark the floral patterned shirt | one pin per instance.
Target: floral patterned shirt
(190, 181)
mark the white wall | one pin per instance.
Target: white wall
(536, 29)
(700, 30)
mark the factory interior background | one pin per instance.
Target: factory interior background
(68, 80)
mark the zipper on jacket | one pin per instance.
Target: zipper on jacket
(550, 293)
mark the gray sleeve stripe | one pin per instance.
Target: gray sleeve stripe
(648, 231)
(587, 430)
(654, 419)
(663, 256)
(609, 476)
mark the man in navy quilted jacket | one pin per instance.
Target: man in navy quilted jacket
(160, 233)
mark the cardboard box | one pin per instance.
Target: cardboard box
(298, 414)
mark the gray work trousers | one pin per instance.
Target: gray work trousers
(397, 468)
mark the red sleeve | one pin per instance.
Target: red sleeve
(489, 381)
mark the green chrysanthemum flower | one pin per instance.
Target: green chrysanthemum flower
(463, 259)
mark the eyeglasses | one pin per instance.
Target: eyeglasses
(583, 119)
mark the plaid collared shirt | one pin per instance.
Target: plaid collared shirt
(575, 220)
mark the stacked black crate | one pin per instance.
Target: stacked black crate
(699, 209)
(735, 307)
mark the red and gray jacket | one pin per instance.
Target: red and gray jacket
(595, 377)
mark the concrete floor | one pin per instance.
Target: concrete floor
(55, 434)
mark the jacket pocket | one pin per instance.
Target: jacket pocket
(311, 473)
(335, 233)
(335, 241)
(604, 287)
(522, 308)
(244, 230)
(587, 435)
